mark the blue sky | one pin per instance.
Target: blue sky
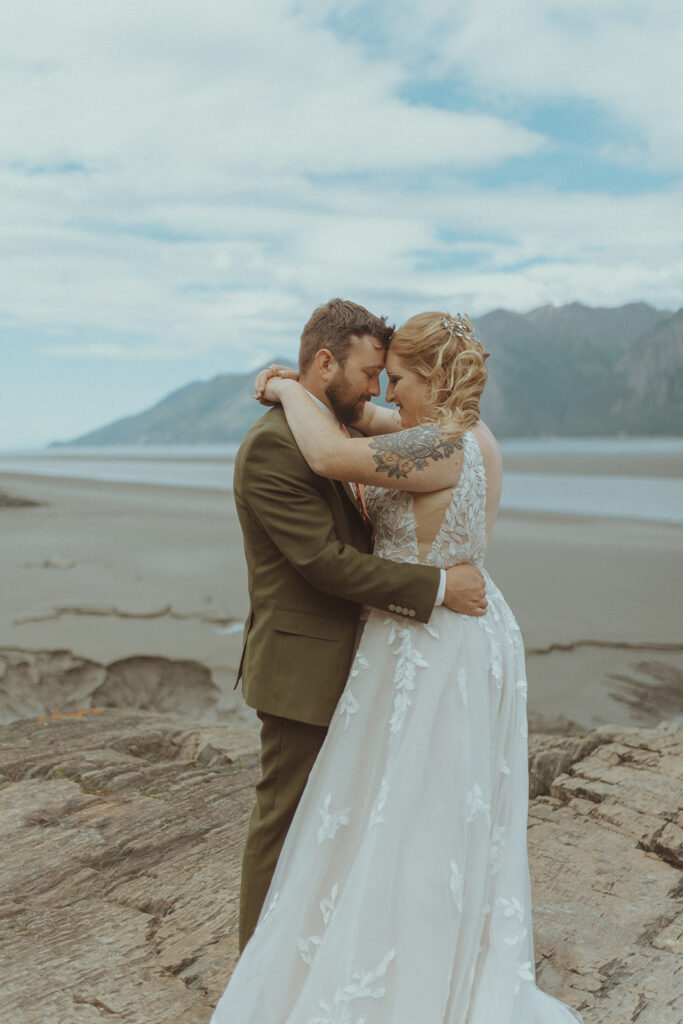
(182, 183)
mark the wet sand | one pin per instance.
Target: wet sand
(132, 574)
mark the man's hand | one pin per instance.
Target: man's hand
(264, 376)
(465, 590)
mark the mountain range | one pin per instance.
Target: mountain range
(562, 371)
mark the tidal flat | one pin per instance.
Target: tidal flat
(135, 595)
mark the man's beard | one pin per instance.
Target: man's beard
(346, 404)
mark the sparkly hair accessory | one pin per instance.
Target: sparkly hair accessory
(453, 324)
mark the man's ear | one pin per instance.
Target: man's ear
(325, 364)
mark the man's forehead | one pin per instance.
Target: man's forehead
(367, 347)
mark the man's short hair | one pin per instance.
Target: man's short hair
(333, 325)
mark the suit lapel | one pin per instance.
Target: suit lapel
(347, 497)
(348, 491)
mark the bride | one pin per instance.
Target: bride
(402, 892)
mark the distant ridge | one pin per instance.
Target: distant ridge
(569, 370)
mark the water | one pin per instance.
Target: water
(659, 499)
(172, 466)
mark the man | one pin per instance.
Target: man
(308, 547)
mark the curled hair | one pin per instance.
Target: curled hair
(333, 325)
(444, 351)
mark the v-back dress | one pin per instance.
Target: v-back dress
(402, 892)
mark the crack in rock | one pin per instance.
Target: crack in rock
(623, 645)
(642, 1005)
(656, 927)
(97, 1003)
(112, 612)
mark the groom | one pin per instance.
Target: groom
(308, 547)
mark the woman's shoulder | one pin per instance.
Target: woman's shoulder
(488, 446)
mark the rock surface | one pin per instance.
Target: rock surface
(59, 679)
(122, 842)
(36, 682)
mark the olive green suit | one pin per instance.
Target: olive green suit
(310, 568)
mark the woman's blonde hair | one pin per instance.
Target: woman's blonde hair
(444, 351)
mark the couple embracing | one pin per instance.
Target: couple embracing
(385, 877)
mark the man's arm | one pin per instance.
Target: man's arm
(287, 499)
(289, 503)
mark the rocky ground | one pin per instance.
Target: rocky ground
(120, 872)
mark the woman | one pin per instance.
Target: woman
(402, 892)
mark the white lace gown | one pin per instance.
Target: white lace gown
(402, 893)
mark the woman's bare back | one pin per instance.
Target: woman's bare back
(429, 507)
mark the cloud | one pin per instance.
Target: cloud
(183, 185)
(228, 93)
(88, 351)
(623, 56)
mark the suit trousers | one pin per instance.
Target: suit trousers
(288, 752)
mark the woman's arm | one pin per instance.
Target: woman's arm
(419, 459)
(376, 419)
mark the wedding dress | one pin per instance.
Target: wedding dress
(402, 892)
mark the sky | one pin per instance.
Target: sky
(182, 183)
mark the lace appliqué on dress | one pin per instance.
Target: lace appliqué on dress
(361, 986)
(348, 705)
(476, 805)
(309, 947)
(331, 820)
(457, 884)
(408, 661)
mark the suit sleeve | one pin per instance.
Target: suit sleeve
(288, 500)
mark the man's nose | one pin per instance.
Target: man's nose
(374, 388)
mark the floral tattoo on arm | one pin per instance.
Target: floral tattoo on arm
(397, 455)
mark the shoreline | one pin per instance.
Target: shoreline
(144, 575)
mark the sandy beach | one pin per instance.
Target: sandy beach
(135, 595)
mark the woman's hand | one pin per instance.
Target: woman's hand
(265, 375)
(272, 393)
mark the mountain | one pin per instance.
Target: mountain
(566, 371)
(215, 411)
(652, 375)
(204, 412)
(570, 370)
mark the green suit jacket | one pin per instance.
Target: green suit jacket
(310, 569)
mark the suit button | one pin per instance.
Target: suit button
(404, 611)
(412, 613)
(392, 607)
